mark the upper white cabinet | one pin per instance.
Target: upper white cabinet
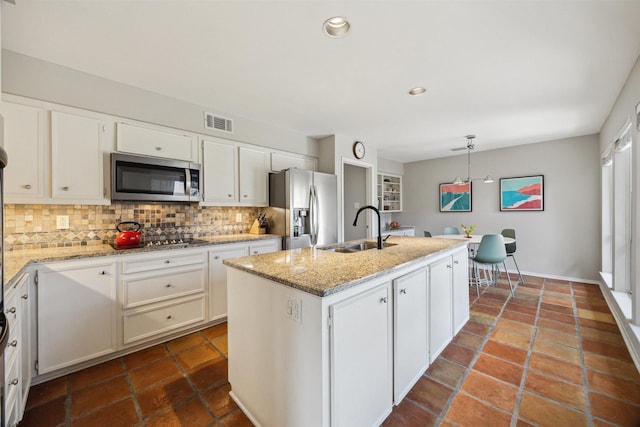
(157, 141)
(281, 161)
(233, 174)
(220, 172)
(389, 193)
(77, 157)
(24, 140)
(254, 175)
(56, 154)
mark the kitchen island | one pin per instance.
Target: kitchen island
(326, 338)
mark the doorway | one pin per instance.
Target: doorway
(355, 191)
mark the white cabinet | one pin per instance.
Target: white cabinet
(220, 172)
(410, 328)
(281, 161)
(24, 140)
(264, 246)
(17, 355)
(218, 278)
(460, 287)
(361, 359)
(440, 307)
(162, 293)
(389, 189)
(254, 174)
(402, 231)
(77, 158)
(233, 175)
(218, 271)
(76, 312)
(156, 141)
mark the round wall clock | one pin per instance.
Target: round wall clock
(358, 149)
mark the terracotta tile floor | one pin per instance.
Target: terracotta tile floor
(551, 356)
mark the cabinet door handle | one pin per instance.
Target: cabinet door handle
(158, 148)
(403, 291)
(14, 343)
(27, 186)
(169, 317)
(245, 196)
(14, 381)
(455, 262)
(102, 273)
(383, 300)
(449, 266)
(168, 285)
(65, 188)
(255, 252)
(11, 310)
(167, 261)
(228, 195)
(216, 257)
(25, 296)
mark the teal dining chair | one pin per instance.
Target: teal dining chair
(451, 230)
(491, 252)
(427, 233)
(511, 249)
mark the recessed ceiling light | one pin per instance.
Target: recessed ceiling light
(417, 91)
(337, 26)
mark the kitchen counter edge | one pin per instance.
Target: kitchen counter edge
(15, 262)
(323, 273)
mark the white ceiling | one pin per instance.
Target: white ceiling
(512, 72)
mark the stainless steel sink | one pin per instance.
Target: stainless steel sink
(351, 248)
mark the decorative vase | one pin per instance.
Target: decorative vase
(468, 235)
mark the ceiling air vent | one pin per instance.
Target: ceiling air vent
(212, 121)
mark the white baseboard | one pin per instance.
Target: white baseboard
(551, 276)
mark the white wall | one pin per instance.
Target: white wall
(563, 241)
(34, 78)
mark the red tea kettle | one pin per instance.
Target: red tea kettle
(128, 236)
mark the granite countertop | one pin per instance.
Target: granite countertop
(16, 261)
(322, 273)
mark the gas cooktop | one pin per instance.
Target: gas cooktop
(173, 243)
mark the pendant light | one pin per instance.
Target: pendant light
(470, 146)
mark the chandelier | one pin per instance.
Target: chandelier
(470, 146)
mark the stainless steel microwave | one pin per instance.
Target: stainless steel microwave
(154, 179)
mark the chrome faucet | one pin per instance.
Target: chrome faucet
(373, 208)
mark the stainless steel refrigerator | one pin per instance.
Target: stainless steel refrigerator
(304, 207)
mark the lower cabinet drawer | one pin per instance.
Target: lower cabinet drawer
(143, 323)
(12, 383)
(159, 287)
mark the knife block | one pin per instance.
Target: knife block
(256, 229)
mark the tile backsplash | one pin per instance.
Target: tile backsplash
(34, 226)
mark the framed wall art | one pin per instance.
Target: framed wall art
(524, 193)
(455, 197)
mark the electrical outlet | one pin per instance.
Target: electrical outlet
(238, 217)
(294, 309)
(62, 222)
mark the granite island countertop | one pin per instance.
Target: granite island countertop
(322, 273)
(16, 261)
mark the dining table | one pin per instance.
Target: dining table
(473, 239)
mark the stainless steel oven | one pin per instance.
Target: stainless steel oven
(154, 179)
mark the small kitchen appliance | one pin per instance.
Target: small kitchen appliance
(154, 179)
(128, 233)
